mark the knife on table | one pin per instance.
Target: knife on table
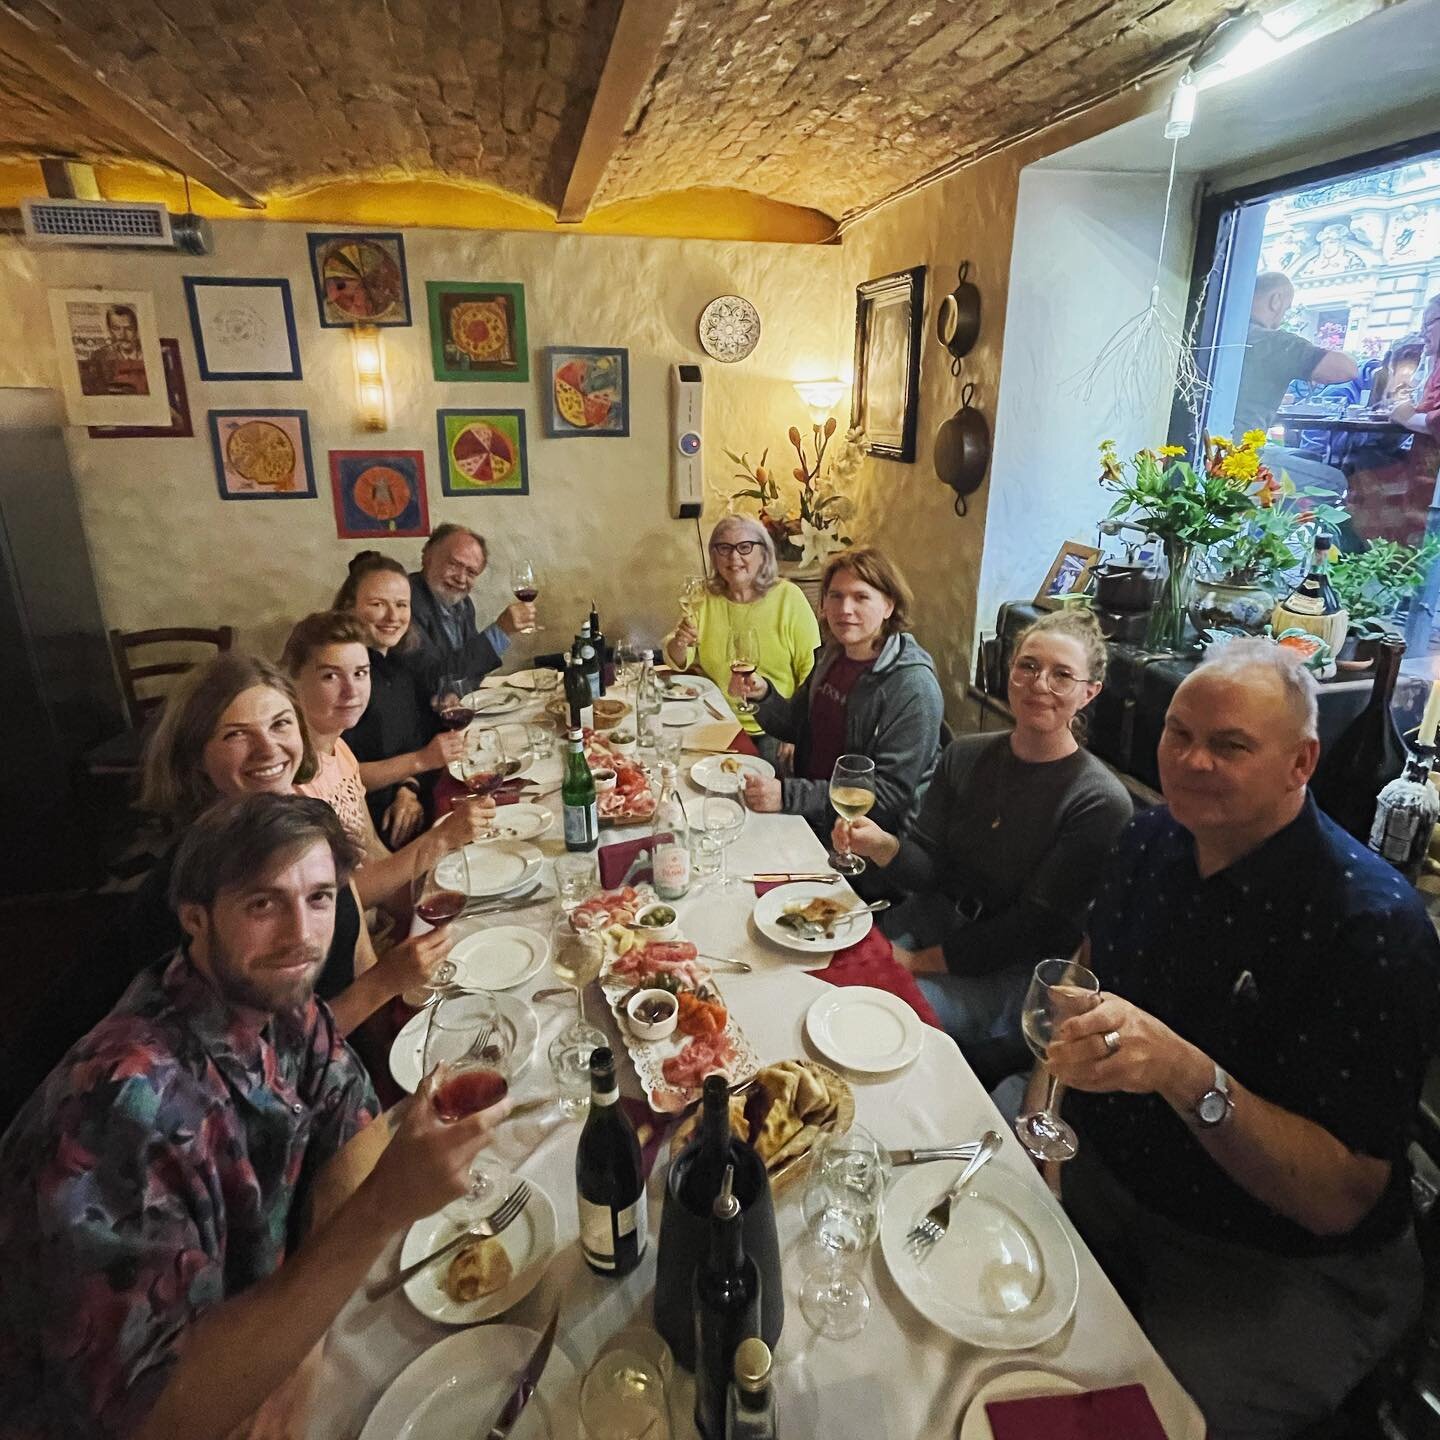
(942, 1152)
(525, 1382)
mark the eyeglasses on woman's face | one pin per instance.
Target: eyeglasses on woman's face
(1060, 680)
(723, 550)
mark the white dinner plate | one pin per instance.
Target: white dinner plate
(681, 714)
(710, 774)
(521, 821)
(865, 1029)
(1004, 1275)
(1011, 1385)
(454, 1390)
(489, 703)
(498, 958)
(407, 1052)
(771, 905)
(529, 1241)
(682, 690)
(497, 867)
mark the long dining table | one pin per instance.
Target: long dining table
(901, 1376)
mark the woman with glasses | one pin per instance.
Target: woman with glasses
(1005, 856)
(745, 592)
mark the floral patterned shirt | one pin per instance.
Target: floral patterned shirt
(163, 1167)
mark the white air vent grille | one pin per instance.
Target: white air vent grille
(97, 222)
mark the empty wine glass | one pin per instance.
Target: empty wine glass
(525, 586)
(852, 793)
(1058, 990)
(471, 1045)
(724, 817)
(744, 657)
(843, 1205)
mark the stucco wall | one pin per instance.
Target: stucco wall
(167, 549)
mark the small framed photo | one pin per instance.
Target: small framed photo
(588, 391)
(179, 402)
(359, 278)
(482, 452)
(477, 330)
(111, 366)
(379, 494)
(244, 329)
(1069, 575)
(262, 454)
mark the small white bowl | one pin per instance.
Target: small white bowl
(623, 740)
(656, 932)
(654, 1029)
(604, 780)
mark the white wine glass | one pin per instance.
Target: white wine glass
(724, 818)
(852, 793)
(1058, 990)
(577, 950)
(744, 658)
(692, 593)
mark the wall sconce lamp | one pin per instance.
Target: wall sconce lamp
(821, 396)
(372, 394)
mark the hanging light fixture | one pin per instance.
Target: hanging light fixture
(372, 393)
(821, 396)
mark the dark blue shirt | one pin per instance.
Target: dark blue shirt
(1308, 970)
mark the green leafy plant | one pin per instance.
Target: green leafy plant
(1272, 543)
(1169, 497)
(1374, 584)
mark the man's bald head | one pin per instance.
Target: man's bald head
(1274, 295)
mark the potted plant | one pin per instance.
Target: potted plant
(1376, 585)
(1188, 508)
(808, 528)
(1248, 572)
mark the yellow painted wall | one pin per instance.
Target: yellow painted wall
(168, 550)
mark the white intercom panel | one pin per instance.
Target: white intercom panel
(687, 423)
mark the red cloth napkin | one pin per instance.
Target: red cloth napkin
(615, 859)
(1121, 1413)
(872, 961)
(448, 790)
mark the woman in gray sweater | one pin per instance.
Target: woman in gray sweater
(1006, 854)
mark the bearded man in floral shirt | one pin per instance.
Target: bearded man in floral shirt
(153, 1279)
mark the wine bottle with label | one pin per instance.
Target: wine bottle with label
(578, 699)
(1407, 808)
(727, 1309)
(609, 1183)
(588, 664)
(597, 639)
(670, 855)
(1314, 605)
(577, 797)
(1366, 756)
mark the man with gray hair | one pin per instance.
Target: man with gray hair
(1243, 1088)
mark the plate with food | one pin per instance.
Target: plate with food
(784, 913)
(1007, 1278)
(787, 1109)
(630, 801)
(485, 1277)
(679, 688)
(520, 821)
(487, 704)
(722, 773)
(407, 1050)
(706, 1039)
(472, 1372)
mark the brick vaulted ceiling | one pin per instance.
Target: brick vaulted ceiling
(831, 104)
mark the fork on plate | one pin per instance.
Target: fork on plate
(930, 1229)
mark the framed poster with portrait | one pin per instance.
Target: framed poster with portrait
(359, 278)
(112, 371)
(379, 494)
(262, 454)
(889, 313)
(1069, 575)
(244, 328)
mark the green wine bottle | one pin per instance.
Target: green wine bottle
(577, 794)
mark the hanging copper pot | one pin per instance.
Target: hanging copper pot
(962, 449)
(957, 324)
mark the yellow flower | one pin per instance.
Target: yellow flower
(1240, 465)
(1172, 450)
(1254, 439)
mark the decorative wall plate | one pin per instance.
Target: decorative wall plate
(729, 328)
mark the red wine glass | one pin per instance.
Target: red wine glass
(438, 895)
(449, 704)
(525, 586)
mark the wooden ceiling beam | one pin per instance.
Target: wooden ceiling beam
(57, 55)
(634, 49)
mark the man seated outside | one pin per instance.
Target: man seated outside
(160, 1181)
(1273, 358)
(1243, 1088)
(443, 614)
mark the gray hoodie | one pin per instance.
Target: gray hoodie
(893, 716)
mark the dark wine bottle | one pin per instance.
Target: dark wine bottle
(696, 1175)
(597, 639)
(578, 698)
(609, 1183)
(727, 1309)
(1315, 594)
(1366, 756)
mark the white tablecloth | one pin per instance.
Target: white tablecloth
(900, 1376)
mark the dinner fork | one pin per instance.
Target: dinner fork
(930, 1229)
(503, 1216)
(814, 930)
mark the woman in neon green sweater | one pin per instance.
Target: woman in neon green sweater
(745, 589)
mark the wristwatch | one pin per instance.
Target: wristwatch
(1214, 1106)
